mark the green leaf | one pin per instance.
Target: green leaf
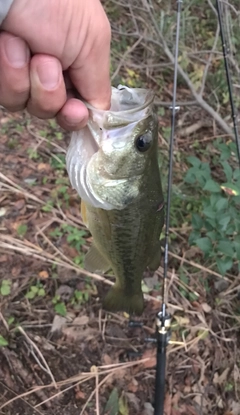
(227, 170)
(204, 244)
(224, 264)
(22, 229)
(224, 221)
(226, 248)
(236, 244)
(212, 235)
(190, 176)
(60, 308)
(212, 186)
(236, 174)
(194, 161)
(41, 292)
(3, 341)
(5, 287)
(197, 221)
(192, 296)
(123, 405)
(30, 295)
(221, 204)
(10, 320)
(209, 212)
(112, 406)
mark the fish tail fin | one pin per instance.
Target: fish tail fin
(118, 299)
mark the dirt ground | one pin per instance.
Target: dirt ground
(88, 361)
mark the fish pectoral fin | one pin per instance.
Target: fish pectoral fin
(155, 258)
(95, 262)
(84, 213)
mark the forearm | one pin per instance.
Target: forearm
(4, 8)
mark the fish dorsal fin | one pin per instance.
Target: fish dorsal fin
(95, 262)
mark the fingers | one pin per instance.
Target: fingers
(90, 72)
(73, 116)
(14, 72)
(37, 84)
(48, 91)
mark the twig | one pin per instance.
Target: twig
(206, 69)
(47, 369)
(128, 51)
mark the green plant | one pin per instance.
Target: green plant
(5, 287)
(80, 297)
(3, 341)
(22, 229)
(58, 161)
(59, 306)
(32, 153)
(48, 207)
(75, 236)
(216, 224)
(35, 291)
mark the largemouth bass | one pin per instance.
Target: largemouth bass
(113, 165)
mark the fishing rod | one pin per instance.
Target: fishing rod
(163, 318)
(226, 51)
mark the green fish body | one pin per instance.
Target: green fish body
(113, 165)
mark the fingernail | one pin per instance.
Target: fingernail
(17, 52)
(49, 73)
(77, 122)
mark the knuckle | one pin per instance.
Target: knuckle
(41, 110)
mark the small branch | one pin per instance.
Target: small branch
(209, 61)
(34, 346)
(128, 51)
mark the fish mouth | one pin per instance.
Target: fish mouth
(128, 105)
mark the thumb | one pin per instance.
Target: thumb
(91, 74)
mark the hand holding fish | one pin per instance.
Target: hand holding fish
(46, 48)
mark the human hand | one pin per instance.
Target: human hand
(47, 48)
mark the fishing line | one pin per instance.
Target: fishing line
(163, 320)
(226, 50)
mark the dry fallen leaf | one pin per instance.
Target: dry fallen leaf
(235, 407)
(106, 359)
(81, 321)
(3, 258)
(150, 354)
(219, 380)
(206, 308)
(43, 275)
(182, 321)
(77, 333)
(19, 204)
(58, 323)
(43, 167)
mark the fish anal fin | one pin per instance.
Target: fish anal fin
(95, 262)
(155, 258)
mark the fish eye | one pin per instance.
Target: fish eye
(143, 142)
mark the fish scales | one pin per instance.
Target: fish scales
(122, 199)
